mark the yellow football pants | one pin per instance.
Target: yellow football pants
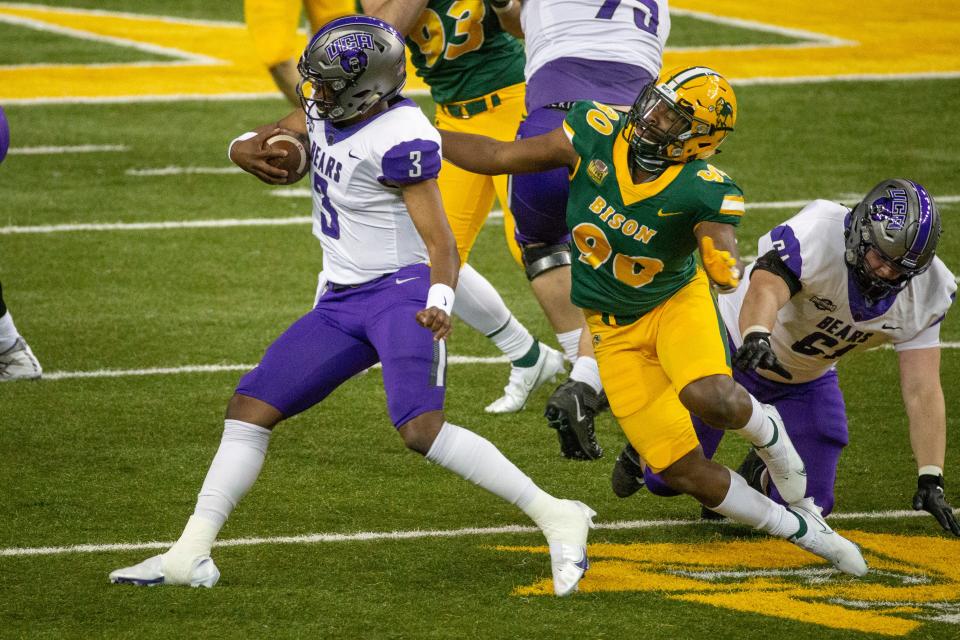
(468, 197)
(273, 24)
(644, 366)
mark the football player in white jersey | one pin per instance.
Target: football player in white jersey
(828, 282)
(380, 220)
(17, 361)
(576, 50)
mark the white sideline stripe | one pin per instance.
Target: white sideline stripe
(172, 97)
(256, 222)
(761, 26)
(418, 534)
(82, 148)
(178, 171)
(150, 226)
(39, 25)
(215, 368)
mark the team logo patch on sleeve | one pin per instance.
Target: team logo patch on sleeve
(598, 170)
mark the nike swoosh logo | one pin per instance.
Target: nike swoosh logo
(350, 153)
(583, 563)
(580, 416)
(667, 215)
(887, 326)
(401, 281)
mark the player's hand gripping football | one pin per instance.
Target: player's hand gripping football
(930, 498)
(437, 320)
(756, 353)
(720, 266)
(254, 156)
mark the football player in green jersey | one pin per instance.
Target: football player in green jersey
(475, 73)
(643, 202)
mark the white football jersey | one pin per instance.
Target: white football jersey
(826, 319)
(358, 210)
(628, 31)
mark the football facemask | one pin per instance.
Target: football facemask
(684, 117)
(350, 65)
(898, 224)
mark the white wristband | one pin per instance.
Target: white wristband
(441, 297)
(755, 328)
(240, 138)
(930, 469)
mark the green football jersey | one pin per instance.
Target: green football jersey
(461, 52)
(633, 244)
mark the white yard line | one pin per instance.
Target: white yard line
(179, 171)
(800, 34)
(82, 148)
(417, 534)
(215, 368)
(38, 25)
(256, 222)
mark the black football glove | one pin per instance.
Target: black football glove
(756, 353)
(929, 497)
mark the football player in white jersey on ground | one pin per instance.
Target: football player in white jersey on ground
(576, 50)
(828, 282)
(379, 218)
(17, 361)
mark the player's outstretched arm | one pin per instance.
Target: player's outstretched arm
(508, 13)
(250, 153)
(402, 14)
(768, 292)
(480, 154)
(426, 210)
(718, 251)
(924, 404)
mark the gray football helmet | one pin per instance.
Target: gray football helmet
(351, 64)
(898, 220)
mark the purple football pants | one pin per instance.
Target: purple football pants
(539, 200)
(348, 331)
(816, 419)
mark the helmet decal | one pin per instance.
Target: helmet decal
(349, 49)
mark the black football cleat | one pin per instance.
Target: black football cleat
(627, 476)
(571, 410)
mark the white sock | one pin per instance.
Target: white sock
(570, 343)
(745, 504)
(233, 471)
(758, 431)
(476, 459)
(8, 332)
(513, 340)
(586, 370)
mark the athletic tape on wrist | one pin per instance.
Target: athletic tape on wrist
(441, 297)
(755, 328)
(239, 138)
(930, 470)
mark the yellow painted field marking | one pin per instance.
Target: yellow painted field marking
(909, 575)
(887, 39)
(234, 68)
(845, 43)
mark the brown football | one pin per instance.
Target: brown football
(295, 162)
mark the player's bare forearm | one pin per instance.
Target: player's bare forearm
(254, 156)
(402, 14)
(480, 154)
(924, 404)
(426, 210)
(767, 294)
(508, 13)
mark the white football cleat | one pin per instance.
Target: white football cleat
(19, 363)
(784, 465)
(816, 536)
(525, 380)
(567, 534)
(201, 572)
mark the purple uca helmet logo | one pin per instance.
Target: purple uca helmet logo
(893, 209)
(349, 49)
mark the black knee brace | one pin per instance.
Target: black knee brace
(540, 258)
